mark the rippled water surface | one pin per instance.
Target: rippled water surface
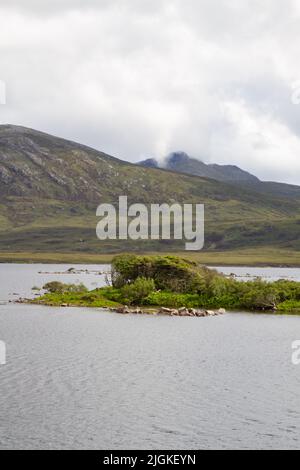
(86, 378)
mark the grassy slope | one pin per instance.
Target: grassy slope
(50, 188)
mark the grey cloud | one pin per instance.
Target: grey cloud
(139, 78)
(38, 7)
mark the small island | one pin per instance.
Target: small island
(172, 285)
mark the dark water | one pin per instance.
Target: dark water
(86, 378)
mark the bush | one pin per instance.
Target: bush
(218, 286)
(289, 306)
(137, 291)
(54, 287)
(173, 300)
(60, 287)
(170, 273)
(260, 296)
(206, 301)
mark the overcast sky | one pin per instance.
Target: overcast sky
(219, 79)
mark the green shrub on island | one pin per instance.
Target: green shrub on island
(136, 292)
(289, 306)
(170, 281)
(60, 288)
(85, 298)
(169, 273)
(183, 283)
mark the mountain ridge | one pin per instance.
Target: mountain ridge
(181, 162)
(50, 188)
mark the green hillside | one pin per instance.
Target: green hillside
(50, 189)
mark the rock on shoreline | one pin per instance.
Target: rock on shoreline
(180, 312)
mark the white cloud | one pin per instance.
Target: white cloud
(139, 78)
(259, 141)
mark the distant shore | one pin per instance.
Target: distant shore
(256, 257)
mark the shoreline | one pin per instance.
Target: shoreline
(135, 310)
(159, 311)
(260, 258)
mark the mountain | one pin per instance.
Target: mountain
(149, 163)
(183, 163)
(180, 162)
(50, 189)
